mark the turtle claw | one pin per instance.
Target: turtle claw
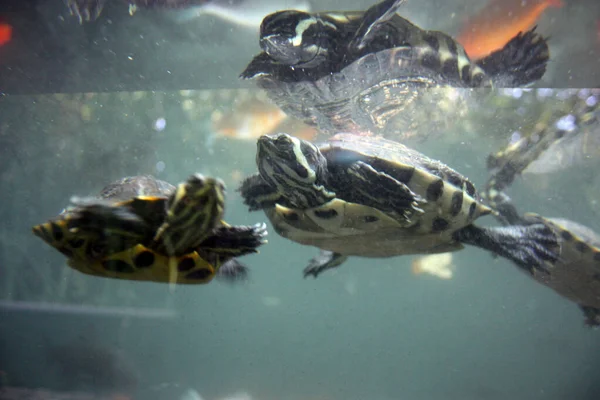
(324, 261)
(237, 240)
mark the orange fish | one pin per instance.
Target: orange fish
(5, 33)
(253, 118)
(498, 22)
(248, 120)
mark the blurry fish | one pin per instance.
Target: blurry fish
(438, 265)
(498, 22)
(570, 151)
(5, 33)
(253, 118)
(246, 13)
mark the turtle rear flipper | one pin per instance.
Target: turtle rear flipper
(521, 62)
(102, 218)
(529, 247)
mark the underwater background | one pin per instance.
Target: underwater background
(373, 329)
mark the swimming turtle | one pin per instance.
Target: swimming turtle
(142, 228)
(575, 274)
(354, 71)
(372, 197)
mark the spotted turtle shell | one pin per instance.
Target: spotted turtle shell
(356, 229)
(576, 273)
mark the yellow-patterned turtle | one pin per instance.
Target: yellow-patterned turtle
(142, 228)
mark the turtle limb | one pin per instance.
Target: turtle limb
(235, 241)
(529, 247)
(258, 194)
(233, 271)
(391, 194)
(98, 217)
(520, 62)
(324, 261)
(592, 315)
(374, 17)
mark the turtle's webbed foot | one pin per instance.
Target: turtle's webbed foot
(85, 10)
(391, 194)
(520, 62)
(530, 247)
(237, 240)
(257, 193)
(324, 261)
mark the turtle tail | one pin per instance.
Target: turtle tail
(531, 247)
(521, 62)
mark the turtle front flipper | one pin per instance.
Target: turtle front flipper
(258, 194)
(592, 315)
(383, 192)
(521, 62)
(530, 247)
(324, 261)
(235, 241)
(85, 10)
(374, 17)
(194, 209)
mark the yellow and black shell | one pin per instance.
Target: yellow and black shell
(576, 273)
(142, 228)
(361, 88)
(362, 219)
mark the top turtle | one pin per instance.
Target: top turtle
(142, 228)
(353, 71)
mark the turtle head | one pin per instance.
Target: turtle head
(295, 38)
(295, 167)
(193, 210)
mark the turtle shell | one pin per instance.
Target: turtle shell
(141, 228)
(576, 274)
(351, 225)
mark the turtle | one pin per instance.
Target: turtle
(355, 71)
(142, 228)
(373, 197)
(575, 274)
